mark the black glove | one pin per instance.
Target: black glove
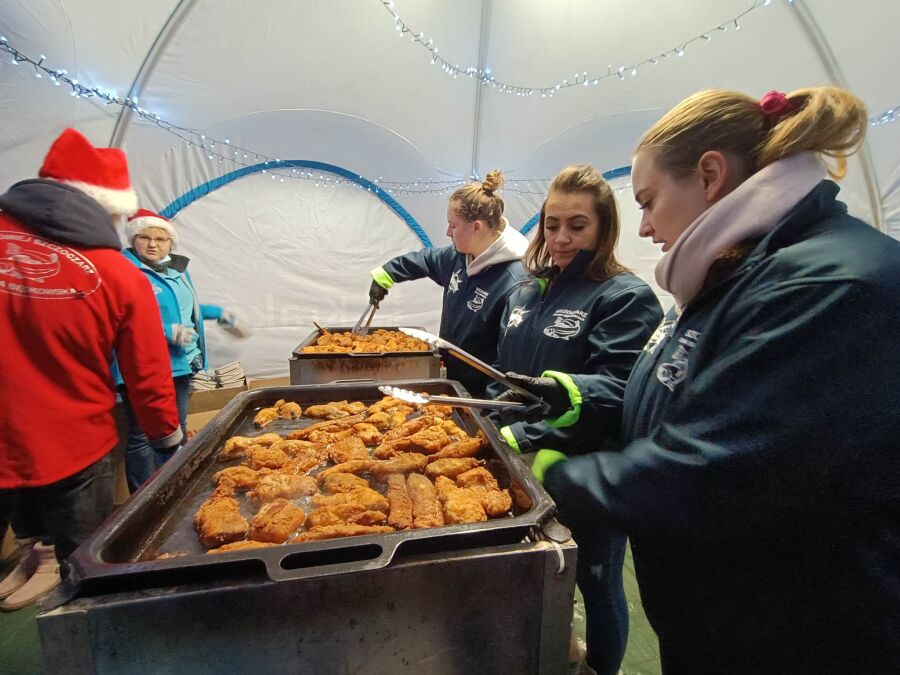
(377, 293)
(547, 389)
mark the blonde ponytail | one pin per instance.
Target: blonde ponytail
(827, 120)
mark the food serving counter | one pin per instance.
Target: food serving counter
(486, 597)
(325, 367)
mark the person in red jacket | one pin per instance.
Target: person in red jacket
(68, 300)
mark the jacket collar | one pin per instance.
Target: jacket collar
(178, 263)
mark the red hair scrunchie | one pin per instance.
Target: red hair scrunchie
(776, 106)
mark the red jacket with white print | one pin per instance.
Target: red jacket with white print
(68, 300)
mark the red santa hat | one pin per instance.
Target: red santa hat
(101, 173)
(143, 219)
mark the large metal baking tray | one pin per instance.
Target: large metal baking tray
(158, 518)
(330, 367)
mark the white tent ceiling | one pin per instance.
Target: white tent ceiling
(332, 82)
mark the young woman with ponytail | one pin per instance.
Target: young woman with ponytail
(477, 273)
(760, 480)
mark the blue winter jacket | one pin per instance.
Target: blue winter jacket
(593, 331)
(171, 314)
(760, 485)
(472, 307)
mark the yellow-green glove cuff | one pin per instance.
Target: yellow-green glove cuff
(510, 439)
(572, 415)
(543, 460)
(382, 278)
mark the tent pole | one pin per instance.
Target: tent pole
(166, 33)
(826, 56)
(483, 46)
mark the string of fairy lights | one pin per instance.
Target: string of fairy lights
(579, 79)
(223, 150)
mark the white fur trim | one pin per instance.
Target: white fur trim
(137, 225)
(115, 202)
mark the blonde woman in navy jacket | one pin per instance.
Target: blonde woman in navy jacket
(581, 320)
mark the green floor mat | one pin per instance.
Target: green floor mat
(642, 653)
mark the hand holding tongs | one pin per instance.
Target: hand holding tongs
(363, 328)
(537, 408)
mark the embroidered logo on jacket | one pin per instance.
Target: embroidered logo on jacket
(662, 333)
(674, 372)
(516, 316)
(453, 285)
(477, 300)
(39, 268)
(566, 323)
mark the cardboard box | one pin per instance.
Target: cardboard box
(213, 399)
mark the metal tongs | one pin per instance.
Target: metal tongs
(532, 411)
(455, 401)
(362, 326)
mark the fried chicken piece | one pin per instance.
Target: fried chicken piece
(367, 433)
(385, 405)
(219, 520)
(371, 499)
(496, 502)
(302, 465)
(438, 409)
(327, 411)
(268, 415)
(342, 482)
(408, 463)
(295, 448)
(337, 531)
(282, 485)
(468, 447)
(460, 505)
(451, 467)
(261, 457)
(427, 510)
(355, 466)
(453, 430)
(401, 515)
(240, 546)
(399, 417)
(243, 476)
(237, 446)
(477, 477)
(290, 411)
(347, 449)
(276, 521)
(411, 427)
(330, 426)
(354, 408)
(345, 513)
(428, 441)
(379, 420)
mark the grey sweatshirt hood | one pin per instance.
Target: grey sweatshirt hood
(510, 245)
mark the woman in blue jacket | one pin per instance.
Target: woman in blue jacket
(477, 273)
(760, 483)
(152, 240)
(581, 320)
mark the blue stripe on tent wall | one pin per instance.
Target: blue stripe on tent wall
(201, 191)
(608, 175)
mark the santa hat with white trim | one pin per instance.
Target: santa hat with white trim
(143, 219)
(101, 173)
